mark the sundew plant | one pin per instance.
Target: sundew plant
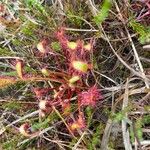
(74, 74)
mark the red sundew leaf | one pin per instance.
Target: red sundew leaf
(39, 92)
(88, 47)
(2, 8)
(66, 107)
(24, 129)
(45, 72)
(73, 80)
(90, 97)
(60, 32)
(62, 38)
(72, 45)
(6, 81)
(42, 46)
(78, 124)
(80, 66)
(44, 104)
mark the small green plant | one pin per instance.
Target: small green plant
(102, 15)
(119, 116)
(139, 123)
(96, 137)
(143, 31)
(138, 126)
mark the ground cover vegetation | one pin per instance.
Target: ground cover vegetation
(75, 74)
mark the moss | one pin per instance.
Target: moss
(13, 105)
(30, 70)
(146, 119)
(6, 52)
(76, 14)
(28, 29)
(89, 112)
(36, 4)
(95, 139)
(119, 116)
(11, 143)
(138, 128)
(16, 42)
(7, 91)
(147, 108)
(143, 31)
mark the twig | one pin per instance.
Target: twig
(81, 30)
(146, 47)
(106, 135)
(125, 132)
(146, 142)
(80, 139)
(9, 57)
